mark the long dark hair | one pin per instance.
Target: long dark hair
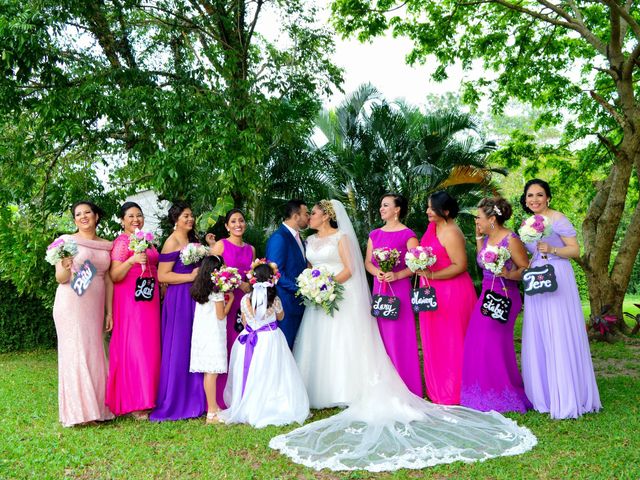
(203, 285)
(174, 213)
(534, 181)
(263, 273)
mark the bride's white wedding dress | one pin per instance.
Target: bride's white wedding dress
(386, 427)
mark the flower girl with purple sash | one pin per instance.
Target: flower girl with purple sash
(264, 386)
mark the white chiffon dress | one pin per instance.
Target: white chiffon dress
(274, 392)
(209, 338)
(385, 427)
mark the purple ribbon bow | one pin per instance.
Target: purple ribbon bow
(250, 340)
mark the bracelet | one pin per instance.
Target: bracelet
(480, 237)
(555, 251)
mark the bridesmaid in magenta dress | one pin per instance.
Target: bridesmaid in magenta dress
(399, 336)
(236, 253)
(490, 376)
(443, 330)
(180, 392)
(80, 323)
(134, 351)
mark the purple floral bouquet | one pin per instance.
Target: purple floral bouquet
(61, 248)
(534, 228)
(318, 288)
(419, 258)
(386, 257)
(494, 258)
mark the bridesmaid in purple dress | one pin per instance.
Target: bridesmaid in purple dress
(236, 253)
(180, 393)
(556, 361)
(490, 376)
(399, 336)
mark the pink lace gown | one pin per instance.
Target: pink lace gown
(442, 331)
(82, 366)
(134, 351)
(399, 336)
(240, 258)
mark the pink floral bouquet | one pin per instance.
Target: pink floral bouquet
(61, 248)
(225, 279)
(139, 242)
(494, 258)
(193, 253)
(534, 228)
(419, 258)
(386, 257)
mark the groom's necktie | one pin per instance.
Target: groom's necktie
(299, 241)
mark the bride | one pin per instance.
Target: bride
(343, 362)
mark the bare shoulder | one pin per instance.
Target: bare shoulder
(170, 245)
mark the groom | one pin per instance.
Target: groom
(286, 249)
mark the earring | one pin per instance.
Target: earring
(396, 218)
(492, 226)
(548, 202)
(175, 226)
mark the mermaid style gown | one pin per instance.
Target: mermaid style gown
(386, 427)
(556, 361)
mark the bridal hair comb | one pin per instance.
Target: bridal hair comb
(327, 207)
(497, 210)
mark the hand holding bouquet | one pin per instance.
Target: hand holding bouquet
(139, 242)
(534, 228)
(193, 253)
(318, 288)
(494, 258)
(59, 249)
(386, 257)
(419, 258)
(225, 279)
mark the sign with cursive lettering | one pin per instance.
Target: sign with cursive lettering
(495, 306)
(385, 306)
(83, 278)
(424, 299)
(145, 286)
(539, 279)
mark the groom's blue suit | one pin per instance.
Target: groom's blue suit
(283, 249)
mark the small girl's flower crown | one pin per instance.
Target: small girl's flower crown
(275, 273)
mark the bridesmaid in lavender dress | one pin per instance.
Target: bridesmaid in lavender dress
(180, 393)
(556, 361)
(399, 336)
(82, 367)
(236, 253)
(490, 376)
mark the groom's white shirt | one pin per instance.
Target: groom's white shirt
(296, 235)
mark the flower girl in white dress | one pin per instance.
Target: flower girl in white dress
(209, 336)
(264, 386)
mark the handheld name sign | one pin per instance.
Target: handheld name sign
(145, 286)
(385, 306)
(496, 306)
(424, 299)
(540, 279)
(83, 278)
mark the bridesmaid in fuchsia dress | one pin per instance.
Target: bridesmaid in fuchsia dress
(399, 336)
(443, 330)
(236, 253)
(134, 351)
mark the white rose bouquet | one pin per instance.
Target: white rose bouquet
(535, 228)
(61, 248)
(193, 253)
(318, 288)
(419, 258)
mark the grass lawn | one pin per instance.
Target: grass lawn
(34, 445)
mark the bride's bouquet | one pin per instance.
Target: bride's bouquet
(419, 258)
(494, 258)
(386, 257)
(139, 242)
(193, 253)
(534, 228)
(225, 279)
(317, 287)
(61, 248)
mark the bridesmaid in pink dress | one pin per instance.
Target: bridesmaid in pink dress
(134, 351)
(80, 322)
(443, 330)
(236, 253)
(399, 336)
